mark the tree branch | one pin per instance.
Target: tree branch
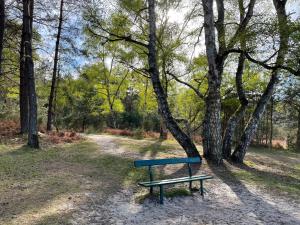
(116, 36)
(186, 84)
(262, 63)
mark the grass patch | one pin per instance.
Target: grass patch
(36, 184)
(277, 170)
(283, 184)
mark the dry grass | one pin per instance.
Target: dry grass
(46, 186)
(10, 135)
(132, 133)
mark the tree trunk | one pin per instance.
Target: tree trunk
(28, 6)
(240, 151)
(239, 113)
(163, 131)
(298, 134)
(55, 100)
(271, 124)
(54, 75)
(229, 132)
(23, 92)
(173, 127)
(212, 132)
(2, 27)
(113, 116)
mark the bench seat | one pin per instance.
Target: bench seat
(174, 180)
(161, 183)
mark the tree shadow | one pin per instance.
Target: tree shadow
(262, 209)
(37, 178)
(282, 178)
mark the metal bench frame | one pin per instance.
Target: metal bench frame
(160, 183)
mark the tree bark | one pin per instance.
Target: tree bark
(2, 27)
(240, 151)
(173, 127)
(54, 75)
(28, 6)
(271, 124)
(55, 99)
(239, 113)
(23, 92)
(163, 132)
(212, 133)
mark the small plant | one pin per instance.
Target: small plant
(139, 133)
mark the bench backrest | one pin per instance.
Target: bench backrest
(157, 162)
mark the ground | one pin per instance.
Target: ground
(94, 182)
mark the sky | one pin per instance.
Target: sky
(175, 15)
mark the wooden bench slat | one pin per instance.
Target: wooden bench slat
(155, 162)
(174, 180)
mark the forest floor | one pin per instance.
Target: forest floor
(94, 182)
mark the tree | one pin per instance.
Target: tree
(28, 6)
(176, 131)
(239, 113)
(113, 34)
(291, 105)
(54, 74)
(23, 89)
(282, 18)
(212, 137)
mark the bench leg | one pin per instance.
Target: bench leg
(190, 185)
(151, 190)
(201, 187)
(161, 194)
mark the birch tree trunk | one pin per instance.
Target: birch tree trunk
(173, 127)
(212, 133)
(239, 113)
(28, 6)
(240, 151)
(54, 75)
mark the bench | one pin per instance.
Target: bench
(160, 183)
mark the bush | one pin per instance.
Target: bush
(139, 133)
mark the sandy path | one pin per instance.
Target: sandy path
(225, 203)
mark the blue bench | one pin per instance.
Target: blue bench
(160, 183)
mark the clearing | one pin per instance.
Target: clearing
(94, 182)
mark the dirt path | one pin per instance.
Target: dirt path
(225, 203)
